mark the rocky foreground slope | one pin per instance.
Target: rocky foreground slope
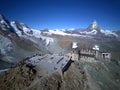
(81, 75)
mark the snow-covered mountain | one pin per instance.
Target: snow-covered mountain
(20, 28)
(92, 30)
(17, 40)
(23, 30)
(94, 26)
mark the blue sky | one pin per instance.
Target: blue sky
(56, 14)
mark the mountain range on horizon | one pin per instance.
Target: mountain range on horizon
(93, 25)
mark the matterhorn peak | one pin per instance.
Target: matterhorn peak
(94, 24)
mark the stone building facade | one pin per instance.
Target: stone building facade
(106, 55)
(87, 54)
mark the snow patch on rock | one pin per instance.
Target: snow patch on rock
(108, 32)
(93, 32)
(62, 33)
(74, 45)
(18, 32)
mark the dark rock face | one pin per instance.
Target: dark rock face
(5, 24)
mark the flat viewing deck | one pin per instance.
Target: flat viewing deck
(52, 63)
